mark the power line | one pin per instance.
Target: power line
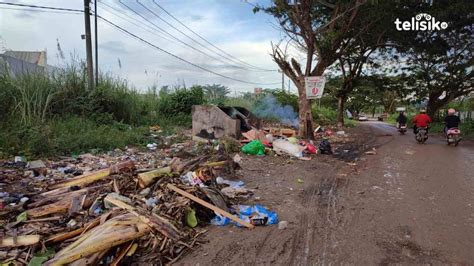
(204, 39)
(142, 40)
(172, 36)
(42, 7)
(179, 58)
(135, 22)
(194, 40)
(42, 11)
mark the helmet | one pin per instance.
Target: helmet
(422, 110)
(451, 111)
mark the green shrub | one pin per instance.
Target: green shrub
(180, 101)
(324, 115)
(241, 102)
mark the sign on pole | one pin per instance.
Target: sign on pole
(314, 86)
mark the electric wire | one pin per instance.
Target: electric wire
(140, 39)
(199, 43)
(179, 58)
(204, 39)
(175, 38)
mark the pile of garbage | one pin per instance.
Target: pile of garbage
(284, 141)
(119, 208)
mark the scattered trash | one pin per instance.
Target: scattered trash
(237, 158)
(281, 145)
(293, 140)
(269, 138)
(257, 215)
(151, 202)
(233, 184)
(299, 180)
(311, 148)
(145, 192)
(255, 147)
(341, 133)
(191, 219)
(235, 192)
(324, 147)
(372, 152)
(71, 223)
(22, 217)
(220, 220)
(282, 225)
(152, 146)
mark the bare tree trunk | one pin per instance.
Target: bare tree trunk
(434, 104)
(305, 115)
(340, 111)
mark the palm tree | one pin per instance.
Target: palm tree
(216, 91)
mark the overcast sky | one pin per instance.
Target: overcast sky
(229, 24)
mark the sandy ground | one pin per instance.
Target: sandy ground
(408, 204)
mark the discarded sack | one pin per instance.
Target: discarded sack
(281, 145)
(255, 147)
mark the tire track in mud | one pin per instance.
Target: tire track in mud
(317, 234)
(314, 235)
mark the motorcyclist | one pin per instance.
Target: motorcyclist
(421, 120)
(451, 120)
(401, 119)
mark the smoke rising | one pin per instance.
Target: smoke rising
(270, 108)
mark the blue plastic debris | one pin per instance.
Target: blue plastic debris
(256, 215)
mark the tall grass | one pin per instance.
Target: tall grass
(55, 113)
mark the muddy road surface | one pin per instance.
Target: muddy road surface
(407, 204)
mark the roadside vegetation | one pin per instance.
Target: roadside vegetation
(55, 114)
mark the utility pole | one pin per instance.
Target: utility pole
(90, 67)
(96, 46)
(282, 81)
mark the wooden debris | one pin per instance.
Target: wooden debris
(122, 254)
(116, 231)
(61, 206)
(18, 241)
(83, 180)
(148, 178)
(64, 236)
(210, 206)
(154, 221)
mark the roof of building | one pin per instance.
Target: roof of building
(13, 66)
(27, 56)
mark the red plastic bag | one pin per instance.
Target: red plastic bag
(311, 149)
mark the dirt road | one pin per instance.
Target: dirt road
(407, 204)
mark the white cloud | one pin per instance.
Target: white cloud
(228, 25)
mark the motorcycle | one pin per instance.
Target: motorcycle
(421, 135)
(453, 136)
(402, 129)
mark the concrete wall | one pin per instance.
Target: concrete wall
(210, 121)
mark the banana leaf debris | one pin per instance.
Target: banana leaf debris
(123, 207)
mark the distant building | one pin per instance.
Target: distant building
(257, 91)
(37, 58)
(21, 62)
